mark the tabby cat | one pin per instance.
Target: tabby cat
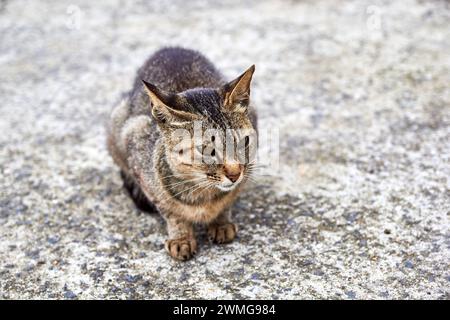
(187, 180)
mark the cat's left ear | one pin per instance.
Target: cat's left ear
(165, 108)
(237, 92)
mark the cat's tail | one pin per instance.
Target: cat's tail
(136, 194)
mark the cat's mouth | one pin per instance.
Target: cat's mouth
(227, 186)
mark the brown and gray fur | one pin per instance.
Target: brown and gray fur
(176, 86)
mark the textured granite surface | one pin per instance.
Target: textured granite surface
(358, 208)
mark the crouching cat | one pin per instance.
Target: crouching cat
(184, 141)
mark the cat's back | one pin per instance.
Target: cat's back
(176, 69)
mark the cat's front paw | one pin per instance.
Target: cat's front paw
(182, 248)
(222, 233)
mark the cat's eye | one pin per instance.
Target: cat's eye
(213, 138)
(213, 152)
(180, 152)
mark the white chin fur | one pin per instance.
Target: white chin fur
(226, 188)
(229, 186)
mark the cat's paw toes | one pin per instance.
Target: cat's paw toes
(223, 233)
(182, 248)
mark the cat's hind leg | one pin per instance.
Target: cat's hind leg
(136, 194)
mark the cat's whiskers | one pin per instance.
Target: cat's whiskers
(207, 187)
(183, 182)
(256, 169)
(251, 179)
(177, 175)
(189, 191)
(170, 196)
(204, 186)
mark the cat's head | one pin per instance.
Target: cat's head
(208, 134)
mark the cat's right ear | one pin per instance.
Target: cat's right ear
(161, 106)
(237, 92)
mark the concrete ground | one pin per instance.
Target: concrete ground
(358, 207)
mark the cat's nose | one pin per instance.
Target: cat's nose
(233, 171)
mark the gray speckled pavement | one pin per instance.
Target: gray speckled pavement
(359, 207)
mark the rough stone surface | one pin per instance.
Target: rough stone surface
(358, 208)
